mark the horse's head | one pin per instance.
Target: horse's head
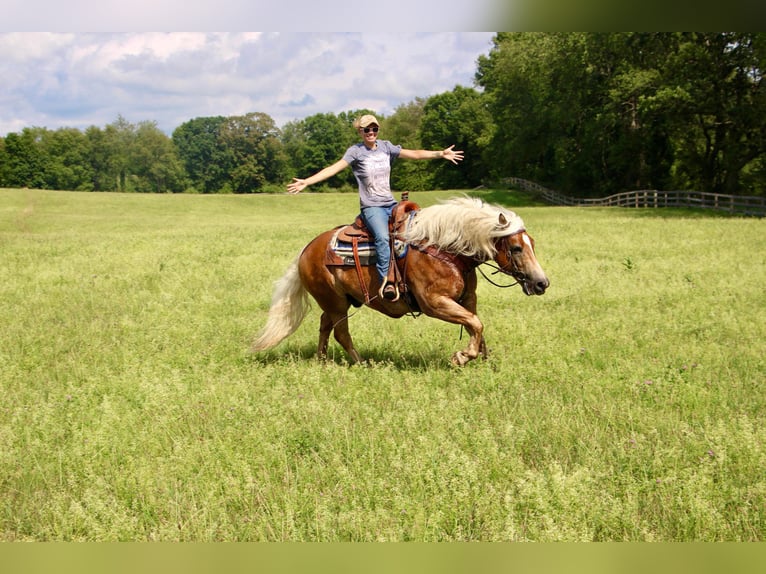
(516, 257)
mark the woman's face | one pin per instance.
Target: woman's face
(369, 134)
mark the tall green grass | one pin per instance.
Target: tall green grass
(625, 404)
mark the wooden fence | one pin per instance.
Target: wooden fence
(734, 204)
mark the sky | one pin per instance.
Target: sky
(80, 79)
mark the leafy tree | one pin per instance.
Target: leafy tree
(633, 140)
(102, 160)
(458, 118)
(616, 142)
(199, 150)
(4, 167)
(716, 91)
(295, 148)
(66, 153)
(153, 161)
(120, 135)
(536, 88)
(251, 145)
(403, 128)
(25, 164)
(326, 140)
(599, 113)
(237, 153)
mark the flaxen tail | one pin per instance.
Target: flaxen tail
(289, 306)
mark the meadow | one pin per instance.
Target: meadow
(626, 404)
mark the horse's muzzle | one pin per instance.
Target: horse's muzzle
(535, 287)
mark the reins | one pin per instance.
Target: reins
(497, 269)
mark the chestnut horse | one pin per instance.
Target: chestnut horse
(446, 243)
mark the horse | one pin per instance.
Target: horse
(446, 242)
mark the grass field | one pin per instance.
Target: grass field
(626, 404)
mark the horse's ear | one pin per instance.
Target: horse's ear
(502, 220)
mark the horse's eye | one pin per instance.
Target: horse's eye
(516, 249)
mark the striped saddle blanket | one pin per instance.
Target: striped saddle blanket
(340, 251)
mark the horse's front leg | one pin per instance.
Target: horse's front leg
(470, 302)
(449, 310)
(475, 346)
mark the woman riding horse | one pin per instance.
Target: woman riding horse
(371, 162)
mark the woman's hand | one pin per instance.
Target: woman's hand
(452, 155)
(296, 186)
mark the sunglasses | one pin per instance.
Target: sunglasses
(374, 129)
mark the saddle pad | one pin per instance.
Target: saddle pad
(342, 252)
(345, 251)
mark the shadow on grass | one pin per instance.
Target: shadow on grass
(402, 359)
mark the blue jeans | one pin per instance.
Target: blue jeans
(376, 219)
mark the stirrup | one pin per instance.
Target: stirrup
(389, 292)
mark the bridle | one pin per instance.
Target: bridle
(511, 267)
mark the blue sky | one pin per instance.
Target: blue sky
(78, 79)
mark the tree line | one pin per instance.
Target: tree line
(585, 113)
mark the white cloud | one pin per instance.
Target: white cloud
(78, 80)
(243, 15)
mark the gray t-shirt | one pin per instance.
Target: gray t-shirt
(372, 169)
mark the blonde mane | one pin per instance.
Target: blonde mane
(462, 225)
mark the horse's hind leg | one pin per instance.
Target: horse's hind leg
(483, 349)
(343, 336)
(325, 328)
(338, 325)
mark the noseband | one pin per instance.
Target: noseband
(510, 268)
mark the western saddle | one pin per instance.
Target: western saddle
(357, 233)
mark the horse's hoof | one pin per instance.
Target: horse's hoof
(459, 359)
